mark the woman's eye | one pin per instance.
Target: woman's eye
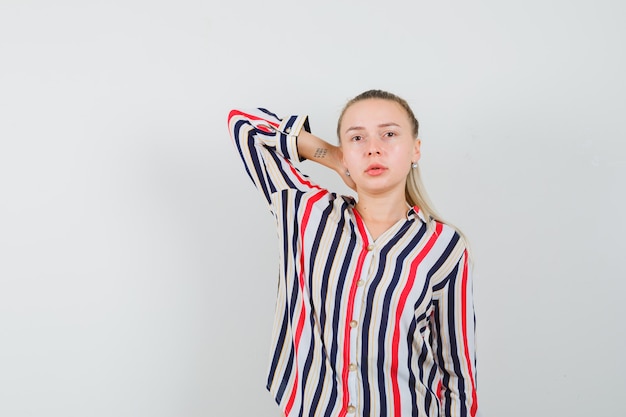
(356, 138)
(390, 134)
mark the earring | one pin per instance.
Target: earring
(347, 173)
(414, 165)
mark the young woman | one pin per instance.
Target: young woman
(374, 315)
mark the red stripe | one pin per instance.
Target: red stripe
(395, 340)
(305, 220)
(350, 309)
(468, 359)
(234, 113)
(301, 178)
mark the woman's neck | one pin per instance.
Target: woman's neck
(380, 213)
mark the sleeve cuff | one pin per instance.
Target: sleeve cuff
(288, 132)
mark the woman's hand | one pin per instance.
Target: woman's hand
(341, 169)
(318, 150)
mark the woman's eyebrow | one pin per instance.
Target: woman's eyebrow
(350, 129)
(388, 124)
(353, 128)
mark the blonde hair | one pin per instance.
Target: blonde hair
(415, 191)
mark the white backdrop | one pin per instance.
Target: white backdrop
(138, 264)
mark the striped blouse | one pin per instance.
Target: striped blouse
(363, 327)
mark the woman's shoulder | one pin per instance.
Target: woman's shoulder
(455, 240)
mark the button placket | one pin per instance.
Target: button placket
(354, 326)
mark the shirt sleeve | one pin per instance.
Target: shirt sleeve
(454, 343)
(267, 145)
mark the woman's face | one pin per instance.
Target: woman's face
(378, 145)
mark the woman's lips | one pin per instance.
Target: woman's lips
(375, 170)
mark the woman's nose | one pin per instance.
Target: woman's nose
(373, 148)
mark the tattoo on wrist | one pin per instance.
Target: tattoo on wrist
(320, 152)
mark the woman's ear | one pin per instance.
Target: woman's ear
(417, 151)
(341, 158)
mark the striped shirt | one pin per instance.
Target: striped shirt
(363, 327)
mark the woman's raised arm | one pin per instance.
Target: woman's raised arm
(267, 145)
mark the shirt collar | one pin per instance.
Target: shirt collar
(412, 212)
(415, 212)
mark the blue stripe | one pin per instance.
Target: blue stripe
(283, 138)
(386, 305)
(373, 287)
(450, 302)
(323, 294)
(452, 337)
(445, 377)
(294, 297)
(295, 290)
(343, 273)
(287, 178)
(442, 259)
(270, 114)
(286, 375)
(314, 311)
(283, 329)
(412, 380)
(327, 267)
(259, 165)
(432, 396)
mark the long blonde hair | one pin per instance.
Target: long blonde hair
(415, 191)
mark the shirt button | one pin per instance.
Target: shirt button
(370, 247)
(351, 409)
(353, 323)
(353, 367)
(288, 130)
(360, 283)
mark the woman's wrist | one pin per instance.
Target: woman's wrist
(317, 150)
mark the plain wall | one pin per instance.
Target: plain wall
(138, 264)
